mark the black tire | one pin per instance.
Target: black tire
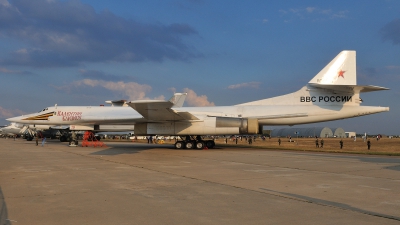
(179, 145)
(210, 144)
(199, 145)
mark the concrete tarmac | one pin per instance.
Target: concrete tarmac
(128, 183)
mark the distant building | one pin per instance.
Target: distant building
(350, 134)
(321, 132)
(338, 132)
(267, 133)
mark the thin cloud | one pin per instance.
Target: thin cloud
(4, 3)
(7, 71)
(193, 99)
(314, 13)
(369, 72)
(70, 33)
(392, 67)
(172, 89)
(7, 113)
(99, 75)
(245, 85)
(310, 9)
(341, 14)
(391, 32)
(132, 90)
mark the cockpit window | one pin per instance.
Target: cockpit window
(45, 109)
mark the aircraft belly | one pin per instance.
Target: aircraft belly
(183, 129)
(320, 115)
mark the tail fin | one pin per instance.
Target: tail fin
(335, 84)
(340, 71)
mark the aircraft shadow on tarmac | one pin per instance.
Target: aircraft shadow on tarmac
(117, 149)
(132, 148)
(3, 210)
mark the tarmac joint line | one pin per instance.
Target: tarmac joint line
(330, 204)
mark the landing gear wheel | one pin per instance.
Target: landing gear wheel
(189, 145)
(210, 144)
(63, 139)
(179, 145)
(199, 145)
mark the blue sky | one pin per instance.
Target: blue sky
(83, 52)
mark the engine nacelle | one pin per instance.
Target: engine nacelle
(208, 126)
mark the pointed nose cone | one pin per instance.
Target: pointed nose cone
(17, 119)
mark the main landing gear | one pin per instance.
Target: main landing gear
(191, 142)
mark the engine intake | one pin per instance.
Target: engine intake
(246, 126)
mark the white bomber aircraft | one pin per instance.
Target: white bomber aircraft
(331, 95)
(19, 128)
(11, 130)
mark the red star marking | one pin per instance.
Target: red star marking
(340, 73)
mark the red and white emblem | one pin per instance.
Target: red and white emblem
(340, 73)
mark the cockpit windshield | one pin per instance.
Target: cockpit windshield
(45, 109)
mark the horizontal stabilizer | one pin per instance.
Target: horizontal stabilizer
(370, 88)
(349, 88)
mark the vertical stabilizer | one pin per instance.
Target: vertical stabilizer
(331, 86)
(340, 71)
